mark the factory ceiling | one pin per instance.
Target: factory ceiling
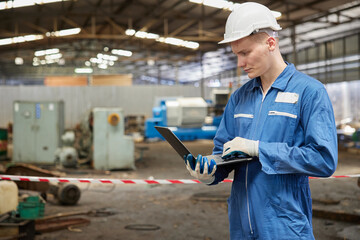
(150, 29)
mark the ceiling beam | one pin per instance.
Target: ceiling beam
(159, 17)
(115, 25)
(72, 23)
(91, 15)
(36, 27)
(182, 28)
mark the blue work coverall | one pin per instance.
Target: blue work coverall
(294, 123)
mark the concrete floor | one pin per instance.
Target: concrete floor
(189, 212)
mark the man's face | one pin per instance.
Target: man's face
(253, 54)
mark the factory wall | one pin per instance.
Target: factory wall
(79, 100)
(140, 99)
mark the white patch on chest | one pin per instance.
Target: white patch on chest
(287, 97)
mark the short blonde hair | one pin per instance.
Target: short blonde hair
(261, 37)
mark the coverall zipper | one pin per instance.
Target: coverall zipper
(247, 165)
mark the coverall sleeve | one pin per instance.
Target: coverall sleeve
(225, 133)
(318, 155)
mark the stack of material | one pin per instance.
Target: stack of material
(111, 80)
(56, 81)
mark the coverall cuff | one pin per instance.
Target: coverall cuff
(268, 165)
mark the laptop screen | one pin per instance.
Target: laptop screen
(173, 141)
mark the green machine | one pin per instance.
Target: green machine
(3, 142)
(112, 148)
(37, 131)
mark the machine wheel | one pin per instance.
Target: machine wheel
(68, 194)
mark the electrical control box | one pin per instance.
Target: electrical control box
(37, 128)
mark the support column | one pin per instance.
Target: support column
(177, 73)
(159, 73)
(202, 90)
(293, 42)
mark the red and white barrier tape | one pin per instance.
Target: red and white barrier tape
(123, 181)
(338, 176)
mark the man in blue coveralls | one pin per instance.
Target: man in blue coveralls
(284, 120)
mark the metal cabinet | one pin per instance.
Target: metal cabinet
(37, 129)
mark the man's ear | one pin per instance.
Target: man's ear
(271, 42)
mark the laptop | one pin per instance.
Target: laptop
(180, 148)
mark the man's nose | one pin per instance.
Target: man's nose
(241, 62)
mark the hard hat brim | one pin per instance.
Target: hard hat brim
(229, 40)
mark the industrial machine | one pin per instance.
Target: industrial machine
(37, 130)
(112, 148)
(67, 155)
(65, 193)
(185, 116)
(219, 99)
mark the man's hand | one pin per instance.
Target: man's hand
(201, 168)
(241, 146)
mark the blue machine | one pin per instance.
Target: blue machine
(185, 117)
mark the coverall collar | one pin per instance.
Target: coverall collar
(280, 82)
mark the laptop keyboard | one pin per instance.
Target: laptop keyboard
(235, 155)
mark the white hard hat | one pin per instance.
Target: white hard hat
(247, 18)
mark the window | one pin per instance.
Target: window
(352, 45)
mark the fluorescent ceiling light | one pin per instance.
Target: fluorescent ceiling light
(219, 4)
(65, 32)
(130, 32)
(46, 52)
(152, 36)
(95, 60)
(20, 39)
(6, 41)
(53, 56)
(61, 61)
(150, 62)
(222, 4)
(121, 52)
(107, 57)
(174, 41)
(33, 37)
(193, 45)
(102, 66)
(48, 56)
(50, 61)
(141, 34)
(179, 42)
(169, 40)
(227, 5)
(196, 1)
(25, 3)
(103, 60)
(83, 70)
(19, 61)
